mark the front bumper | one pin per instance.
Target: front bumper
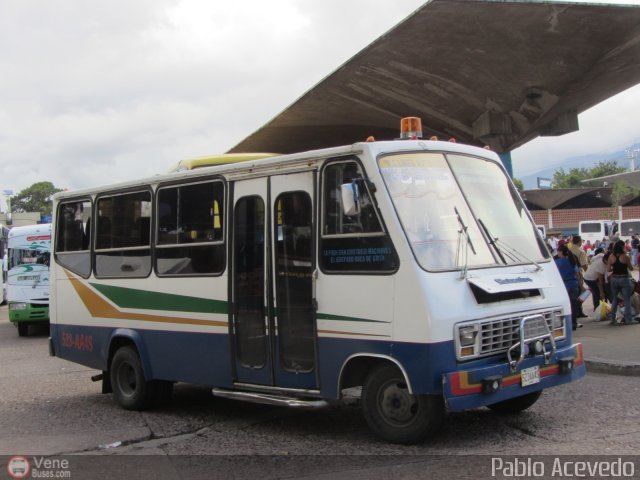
(464, 389)
(31, 314)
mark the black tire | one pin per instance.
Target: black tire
(516, 405)
(23, 329)
(394, 414)
(130, 388)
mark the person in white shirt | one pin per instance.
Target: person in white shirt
(594, 277)
(553, 243)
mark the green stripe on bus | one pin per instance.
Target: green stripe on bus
(327, 316)
(146, 300)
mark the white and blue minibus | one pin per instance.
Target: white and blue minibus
(409, 268)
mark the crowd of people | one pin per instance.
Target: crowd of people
(603, 268)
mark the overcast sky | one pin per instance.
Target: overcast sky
(93, 93)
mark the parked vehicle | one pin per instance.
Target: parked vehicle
(411, 268)
(629, 227)
(28, 258)
(4, 235)
(592, 230)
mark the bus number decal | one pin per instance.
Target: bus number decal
(77, 341)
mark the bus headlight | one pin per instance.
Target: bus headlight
(18, 306)
(467, 336)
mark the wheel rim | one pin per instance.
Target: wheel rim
(396, 404)
(127, 379)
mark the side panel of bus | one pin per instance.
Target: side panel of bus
(270, 316)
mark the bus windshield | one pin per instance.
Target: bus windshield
(438, 197)
(28, 256)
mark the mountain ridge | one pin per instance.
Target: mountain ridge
(621, 158)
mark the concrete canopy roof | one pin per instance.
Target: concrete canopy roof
(496, 73)
(567, 198)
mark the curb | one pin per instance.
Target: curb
(627, 369)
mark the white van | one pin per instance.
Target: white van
(628, 228)
(592, 230)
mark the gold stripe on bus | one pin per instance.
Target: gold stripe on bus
(98, 307)
(335, 332)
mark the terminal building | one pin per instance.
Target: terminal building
(560, 210)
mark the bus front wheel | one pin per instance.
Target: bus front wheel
(396, 415)
(130, 388)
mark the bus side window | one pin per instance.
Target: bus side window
(335, 221)
(190, 233)
(123, 248)
(352, 242)
(73, 237)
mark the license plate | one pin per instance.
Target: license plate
(530, 376)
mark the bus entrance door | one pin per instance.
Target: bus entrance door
(292, 232)
(272, 281)
(250, 322)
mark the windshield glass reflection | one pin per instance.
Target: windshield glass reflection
(437, 196)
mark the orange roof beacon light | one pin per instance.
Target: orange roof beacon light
(410, 128)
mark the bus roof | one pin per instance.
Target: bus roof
(374, 148)
(39, 230)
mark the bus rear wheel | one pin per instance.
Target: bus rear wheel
(131, 390)
(517, 404)
(396, 415)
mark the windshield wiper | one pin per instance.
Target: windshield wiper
(463, 233)
(503, 248)
(492, 241)
(464, 230)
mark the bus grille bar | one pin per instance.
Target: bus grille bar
(497, 336)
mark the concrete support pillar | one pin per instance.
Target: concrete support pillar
(506, 161)
(550, 217)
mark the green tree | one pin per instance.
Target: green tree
(574, 177)
(602, 169)
(621, 192)
(36, 198)
(518, 183)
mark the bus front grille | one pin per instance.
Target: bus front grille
(497, 336)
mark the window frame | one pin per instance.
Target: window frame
(214, 243)
(57, 253)
(384, 233)
(335, 161)
(95, 251)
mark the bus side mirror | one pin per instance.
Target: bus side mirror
(350, 196)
